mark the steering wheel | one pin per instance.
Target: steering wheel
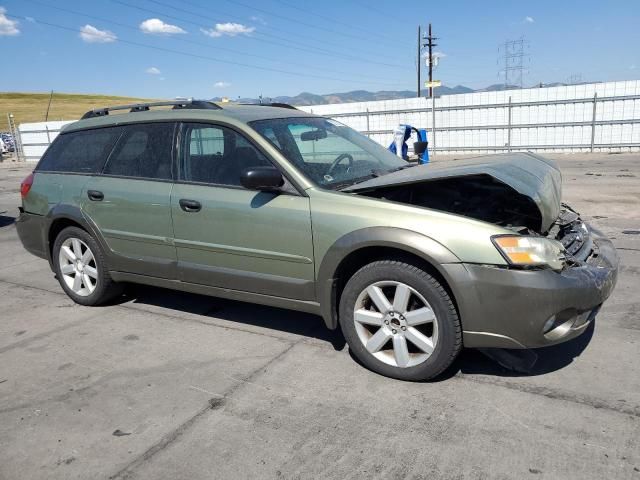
(339, 159)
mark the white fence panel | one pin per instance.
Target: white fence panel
(557, 119)
(36, 137)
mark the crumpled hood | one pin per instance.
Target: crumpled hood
(529, 174)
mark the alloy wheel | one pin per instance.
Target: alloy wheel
(78, 266)
(395, 324)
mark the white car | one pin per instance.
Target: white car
(3, 147)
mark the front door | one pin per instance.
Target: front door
(230, 237)
(130, 201)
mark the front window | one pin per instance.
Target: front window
(331, 154)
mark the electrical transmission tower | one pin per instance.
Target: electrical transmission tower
(513, 57)
(574, 79)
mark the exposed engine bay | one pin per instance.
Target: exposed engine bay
(484, 198)
(520, 191)
(475, 196)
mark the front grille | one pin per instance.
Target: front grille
(574, 235)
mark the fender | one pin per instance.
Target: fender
(75, 214)
(405, 240)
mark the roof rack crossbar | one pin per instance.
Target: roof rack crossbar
(144, 107)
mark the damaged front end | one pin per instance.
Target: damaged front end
(559, 269)
(520, 191)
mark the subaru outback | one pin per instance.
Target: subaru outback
(272, 205)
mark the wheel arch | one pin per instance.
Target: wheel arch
(63, 216)
(356, 249)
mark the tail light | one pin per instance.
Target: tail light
(25, 186)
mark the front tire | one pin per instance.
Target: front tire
(399, 321)
(81, 269)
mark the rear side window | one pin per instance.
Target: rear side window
(145, 151)
(80, 152)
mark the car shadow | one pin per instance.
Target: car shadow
(297, 323)
(519, 363)
(494, 362)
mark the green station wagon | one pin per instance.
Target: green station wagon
(272, 205)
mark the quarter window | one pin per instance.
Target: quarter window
(144, 150)
(217, 155)
(83, 151)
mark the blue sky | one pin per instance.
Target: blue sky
(200, 48)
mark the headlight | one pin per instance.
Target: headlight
(530, 251)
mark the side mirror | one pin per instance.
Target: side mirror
(266, 179)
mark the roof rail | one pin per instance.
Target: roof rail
(275, 104)
(144, 107)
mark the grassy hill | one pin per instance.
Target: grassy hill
(31, 107)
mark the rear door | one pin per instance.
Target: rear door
(130, 201)
(231, 237)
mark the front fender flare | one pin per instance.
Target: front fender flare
(390, 237)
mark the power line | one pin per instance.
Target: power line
(289, 19)
(192, 55)
(298, 46)
(242, 19)
(185, 40)
(332, 19)
(205, 27)
(371, 8)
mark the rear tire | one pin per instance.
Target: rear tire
(81, 268)
(399, 321)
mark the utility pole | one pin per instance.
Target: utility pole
(419, 64)
(46, 115)
(430, 44)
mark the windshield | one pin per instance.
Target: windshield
(331, 154)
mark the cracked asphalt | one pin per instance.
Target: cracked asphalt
(180, 386)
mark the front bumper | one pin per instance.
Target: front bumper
(509, 308)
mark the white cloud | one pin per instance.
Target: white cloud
(7, 26)
(221, 84)
(155, 26)
(91, 34)
(528, 19)
(632, 66)
(229, 29)
(153, 71)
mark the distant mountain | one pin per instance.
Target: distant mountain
(306, 98)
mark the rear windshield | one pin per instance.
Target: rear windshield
(84, 151)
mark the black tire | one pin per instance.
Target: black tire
(106, 289)
(449, 341)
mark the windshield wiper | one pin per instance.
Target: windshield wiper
(374, 174)
(403, 167)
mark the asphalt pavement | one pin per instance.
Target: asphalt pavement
(179, 386)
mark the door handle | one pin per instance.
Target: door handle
(190, 206)
(95, 195)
